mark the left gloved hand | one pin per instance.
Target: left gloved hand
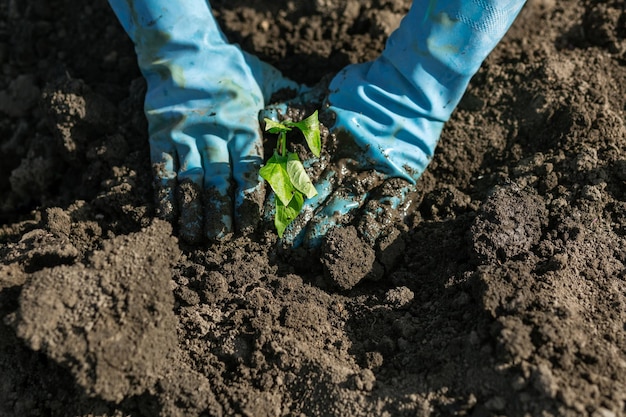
(202, 106)
(388, 114)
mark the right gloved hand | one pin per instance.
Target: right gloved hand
(202, 104)
(389, 113)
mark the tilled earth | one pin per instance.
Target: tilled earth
(504, 294)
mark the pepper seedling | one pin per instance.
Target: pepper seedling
(285, 173)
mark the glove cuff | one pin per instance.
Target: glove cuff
(439, 46)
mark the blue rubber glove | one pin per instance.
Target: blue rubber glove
(202, 104)
(389, 113)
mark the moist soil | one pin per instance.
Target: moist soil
(503, 294)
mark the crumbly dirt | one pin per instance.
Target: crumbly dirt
(505, 294)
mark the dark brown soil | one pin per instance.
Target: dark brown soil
(504, 295)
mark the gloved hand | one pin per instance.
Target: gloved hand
(202, 105)
(389, 113)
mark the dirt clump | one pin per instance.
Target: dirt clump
(347, 259)
(111, 321)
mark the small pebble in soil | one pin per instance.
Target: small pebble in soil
(399, 297)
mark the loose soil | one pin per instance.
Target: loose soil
(505, 294)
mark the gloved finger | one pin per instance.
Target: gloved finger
(189, 187)
(216, 194)
(295, 234)
(164, 167)
(164, 158)
(246, 150)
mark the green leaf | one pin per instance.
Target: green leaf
(310, 128)
(275, 173)
(298, 176)
(285, 214)
(285, 172)
(275, 127)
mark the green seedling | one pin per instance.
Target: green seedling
(285, 173)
